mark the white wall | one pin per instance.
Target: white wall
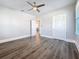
(14, 23)
(46, 23)
(71, 19)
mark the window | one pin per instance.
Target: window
(77, 18)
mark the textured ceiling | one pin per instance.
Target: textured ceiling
(49, 4)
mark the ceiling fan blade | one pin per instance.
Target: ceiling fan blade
(29, 3)
(30, 9)
(38, 10)
(41, 5)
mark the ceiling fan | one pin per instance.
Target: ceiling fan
(35, 7)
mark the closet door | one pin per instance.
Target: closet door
(59, 26)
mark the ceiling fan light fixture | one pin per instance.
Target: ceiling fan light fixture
(34, 8)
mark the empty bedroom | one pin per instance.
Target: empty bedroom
(39, 29)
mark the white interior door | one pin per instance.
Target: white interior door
(59, 26)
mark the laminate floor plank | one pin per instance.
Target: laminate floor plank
(30, 49)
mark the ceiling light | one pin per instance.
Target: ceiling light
(34, 8)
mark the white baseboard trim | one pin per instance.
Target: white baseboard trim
(15, 38)
(68, 40)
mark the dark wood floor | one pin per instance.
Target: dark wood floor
(44, 48)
